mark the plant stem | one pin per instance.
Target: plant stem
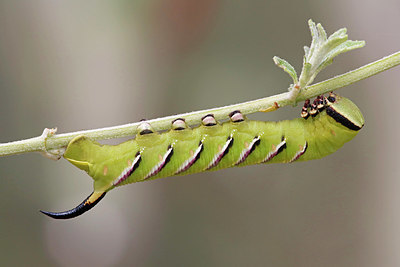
(350, 77)
(264, 104)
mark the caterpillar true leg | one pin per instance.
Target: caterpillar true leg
(305, 110)
(314, 107)
(332, 97)
(321, 103)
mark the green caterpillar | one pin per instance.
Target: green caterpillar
(212, 146)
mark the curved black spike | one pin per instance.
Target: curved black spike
(86, 205)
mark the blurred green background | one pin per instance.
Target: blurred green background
(90, 64)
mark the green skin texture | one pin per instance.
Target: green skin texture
(323, 134)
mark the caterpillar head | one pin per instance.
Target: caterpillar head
(344, 111)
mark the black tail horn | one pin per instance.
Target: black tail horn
(86, 205)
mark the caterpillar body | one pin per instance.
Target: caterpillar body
(212, 146)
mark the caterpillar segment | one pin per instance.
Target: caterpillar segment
(325, 126)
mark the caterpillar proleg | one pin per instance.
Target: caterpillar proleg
(325, 126)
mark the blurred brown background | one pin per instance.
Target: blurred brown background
(89, 64)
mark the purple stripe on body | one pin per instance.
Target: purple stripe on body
(225, 149)
(192, 160)
(278, 149)
(165, 159)
(300, 153)
(128, 171)
(247, 151)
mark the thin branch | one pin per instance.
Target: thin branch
(59, 141)
(350, 77)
